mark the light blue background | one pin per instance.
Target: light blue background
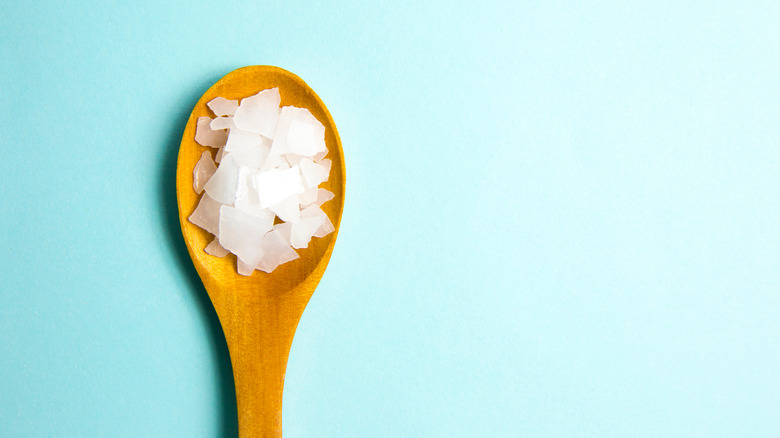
(561, 219)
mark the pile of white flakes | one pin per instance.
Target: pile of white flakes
(271, 162)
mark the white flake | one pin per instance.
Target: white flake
(306, 139)
(206, 214)
(293, 159)
(246, 197)
(242, 234)
(275, 162)
(222, 185)
(275, 185)
(252, 158)
(301, 232)
(285, 229)
(245, 193)
(288, 209)
(275, 252)
(239, 139)
(287, 116)
(313, 173)
(309, 196)
(259, 113)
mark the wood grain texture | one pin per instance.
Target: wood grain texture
(259, 313)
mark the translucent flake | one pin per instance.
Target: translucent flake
(288, 209)
(222, 123)
(245, 193)
(301, 232)
(323, 196)
(222, 185)
(287, 116)
(309, 196)
(275, 252)
(311, 211)
(259, 113)
(204, 168)
(279, 146)
(215, 249)
(218, 157)
(313, 173)
(250, 157)
(242, 234)
(222, 107)
(239, 139)
(326, 164)
(275, 162)
(288, 255)
(326, 228)
(319, 156)
(314, 211)
(206, 214)
(315, 196)
(205, 136)
(243, 268)
(293, 159)
(304, 115)
(275, 185)
(306, 139)
(258, 212)
(285, 230)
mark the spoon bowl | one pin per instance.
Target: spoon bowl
(259, 313)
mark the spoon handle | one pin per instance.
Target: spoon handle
(259, 330)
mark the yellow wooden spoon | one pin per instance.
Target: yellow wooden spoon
(259, 313)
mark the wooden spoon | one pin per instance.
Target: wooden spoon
(259, 313)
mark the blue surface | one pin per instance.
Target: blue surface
(562, 220)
